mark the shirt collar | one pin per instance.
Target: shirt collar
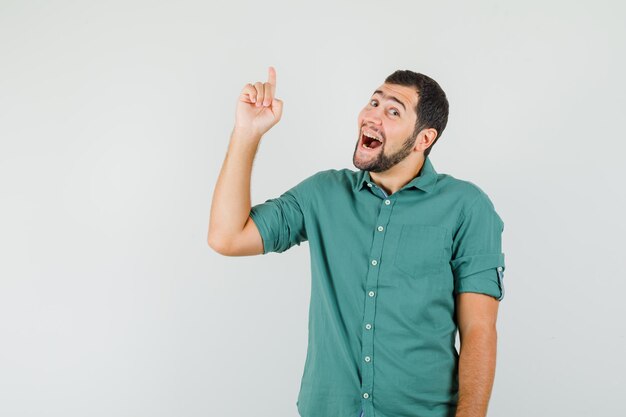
(425, 179)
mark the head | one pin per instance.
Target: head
(408, 113)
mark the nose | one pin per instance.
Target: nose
(372, 116)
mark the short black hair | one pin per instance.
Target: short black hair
(432, 105)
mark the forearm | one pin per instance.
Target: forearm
(477, 364)
(231, 204)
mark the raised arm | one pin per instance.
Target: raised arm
(231, 231)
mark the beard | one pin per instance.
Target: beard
(380, 161)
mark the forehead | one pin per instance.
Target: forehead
(405, 94)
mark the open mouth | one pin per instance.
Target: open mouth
(368, 142)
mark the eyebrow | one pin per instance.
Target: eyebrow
(392, 98)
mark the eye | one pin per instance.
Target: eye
(395, 112)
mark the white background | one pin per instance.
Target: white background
(114, 121)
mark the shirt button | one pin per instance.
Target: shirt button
(367, 359)
(500, 268)
(371, 293)
(380, 228)
(387, 202)
(369, 184)
(366, 395)
(374, 262)
(368, 326)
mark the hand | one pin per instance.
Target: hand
(257, 108)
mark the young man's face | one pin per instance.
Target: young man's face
(390, 121)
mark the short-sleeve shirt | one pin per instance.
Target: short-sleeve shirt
(385, 270)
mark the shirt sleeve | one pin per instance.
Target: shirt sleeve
(281, 220)
(477, 259)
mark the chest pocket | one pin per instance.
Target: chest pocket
(420, 250)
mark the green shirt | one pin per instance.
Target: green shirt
(385, 271)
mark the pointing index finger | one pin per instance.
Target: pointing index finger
(271, 78)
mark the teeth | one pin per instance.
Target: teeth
(371, 136)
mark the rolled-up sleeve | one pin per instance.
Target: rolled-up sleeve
(477, 259)
(281, 220)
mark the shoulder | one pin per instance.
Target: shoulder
(466, 192)
(330, 177)
(319, 182)
(336, 174)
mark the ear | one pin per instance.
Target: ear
(425, 138)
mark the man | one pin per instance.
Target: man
(401, 258)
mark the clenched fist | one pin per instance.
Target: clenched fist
(257, 108)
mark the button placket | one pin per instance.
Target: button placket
(377, 190)
(367, 348)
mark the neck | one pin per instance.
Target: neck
(398, 176)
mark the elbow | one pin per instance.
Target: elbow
(217, 245)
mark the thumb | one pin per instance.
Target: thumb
(277, 105)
